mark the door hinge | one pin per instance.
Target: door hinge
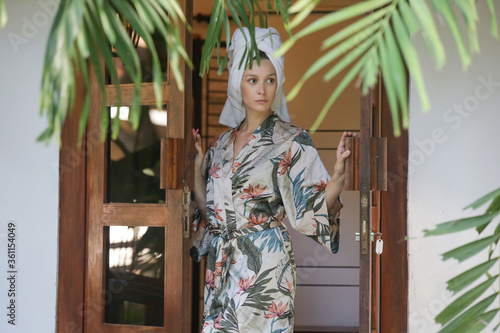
(186, 202)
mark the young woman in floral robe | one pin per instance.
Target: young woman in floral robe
(275, 173)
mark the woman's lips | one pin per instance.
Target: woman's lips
(262, 101)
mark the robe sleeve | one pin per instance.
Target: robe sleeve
(302, 179)
(200, 237)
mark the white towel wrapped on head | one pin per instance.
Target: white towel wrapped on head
(268, 41)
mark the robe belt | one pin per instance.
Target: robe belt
(224, 254)
(237, 233)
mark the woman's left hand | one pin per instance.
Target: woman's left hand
(342, 154)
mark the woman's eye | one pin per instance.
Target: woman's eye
(270, 80)
(251, 81)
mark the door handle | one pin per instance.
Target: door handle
(379, 245)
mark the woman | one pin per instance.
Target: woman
(252, 177)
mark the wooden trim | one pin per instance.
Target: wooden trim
(375, 225)
(72, 187)
(118, 328)
(394, 260)
(378, 176)
(378, 169)
(379, 165)
(94, 277)
(172, 168)
(152, 215)
(173, 271)
(365, 262)
(188, 151)
(127, 92)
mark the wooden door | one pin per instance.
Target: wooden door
(377, 170)
(138, 270)
(367, 172)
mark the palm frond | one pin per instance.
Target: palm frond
(493, 19)
(243, 14)
(470, 313)
(394, 22)
(88, 31)
(3, 14)
(464, 301)
(446, 11)
(468, 321)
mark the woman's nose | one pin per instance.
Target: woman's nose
(260, 89)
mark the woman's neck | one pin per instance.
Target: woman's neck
(253, 120)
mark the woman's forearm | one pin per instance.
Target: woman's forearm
(200, 194)
(333, 190)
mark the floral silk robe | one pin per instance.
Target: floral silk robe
(250, 277)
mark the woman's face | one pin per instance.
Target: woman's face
(258, 86)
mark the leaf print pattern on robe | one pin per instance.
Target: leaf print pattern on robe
(250, 276)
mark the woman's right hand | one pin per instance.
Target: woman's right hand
(200, 187)
(198, 160)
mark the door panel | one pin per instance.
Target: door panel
(370, 160)
(138, 270)
(365, 253)
(120, 292)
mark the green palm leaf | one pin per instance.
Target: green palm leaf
(371, 34)
(431, 35)
(362, 23)
(466, 251)
(461, 224)
(84, 31)
(409, 18)
(466, 278)
(398, 54)
(477, 324)
(445, 9)
(464, 301)
(390, 87)
(334, 54)
(345, 81)
(467, 317)
(243, 14)
(410, 55)
(484, 199)
(398, 73)
(3, 14)
(72, 38)
(470, 318)
(493, 19)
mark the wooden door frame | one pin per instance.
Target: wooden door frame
(72, 222)
(393, 209)
(70, 316)
(392, 284)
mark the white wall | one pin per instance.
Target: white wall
(28, 180)
(452, 167)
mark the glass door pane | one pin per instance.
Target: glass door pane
(145, 57)
(133, 170)
(135, 275)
